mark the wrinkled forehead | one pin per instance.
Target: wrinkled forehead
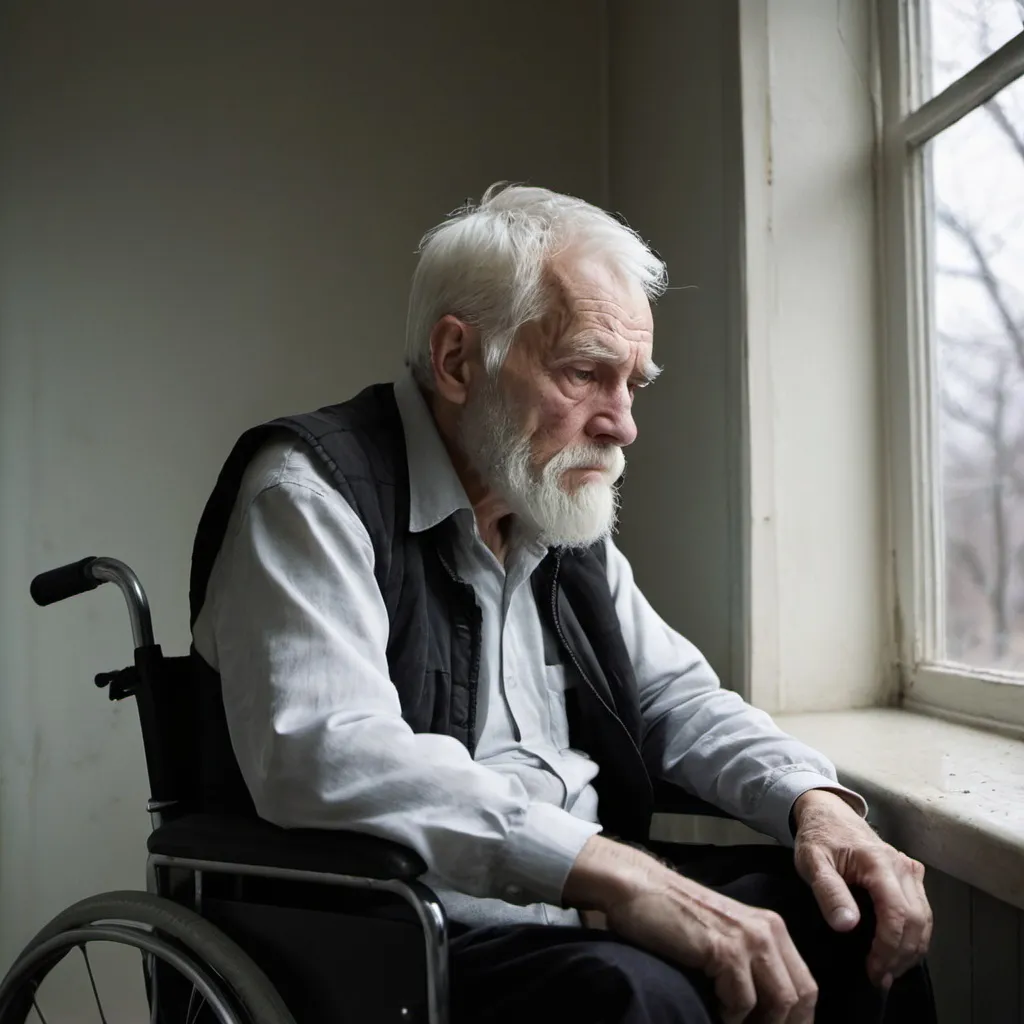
(592, 293)
(597, 313)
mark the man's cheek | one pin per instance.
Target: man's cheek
(561, 417)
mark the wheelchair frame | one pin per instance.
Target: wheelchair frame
(139, 681)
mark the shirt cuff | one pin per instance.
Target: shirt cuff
(788, 787)
(540, 853)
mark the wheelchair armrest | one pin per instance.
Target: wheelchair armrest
(254, 842)
(672, 799)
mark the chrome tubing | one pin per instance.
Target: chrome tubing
(111, 570)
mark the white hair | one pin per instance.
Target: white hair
(485, 264)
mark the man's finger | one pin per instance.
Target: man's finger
(734, 986)
(891, 910)
(918, 927)
(926, 937)
(803, 981)
(833, 894)
(776, 994)
(913, 927)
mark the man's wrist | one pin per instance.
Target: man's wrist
(606, 873)
(817, 802)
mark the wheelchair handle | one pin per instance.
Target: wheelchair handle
(65, 581)
(87, 574)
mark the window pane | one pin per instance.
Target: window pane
(963, 33)
(978, 324)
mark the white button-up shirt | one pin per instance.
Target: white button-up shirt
(296, 626)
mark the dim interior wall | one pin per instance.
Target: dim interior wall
(208, 216)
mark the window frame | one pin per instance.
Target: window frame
(977, 696)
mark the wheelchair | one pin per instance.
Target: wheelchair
(242, 922)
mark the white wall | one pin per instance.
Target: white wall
(675, 171)
(208, 213)
(819, 600)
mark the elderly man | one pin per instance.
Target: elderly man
(424, 631)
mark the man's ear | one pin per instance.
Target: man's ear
(454, 355)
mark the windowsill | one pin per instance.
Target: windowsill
(950, 795)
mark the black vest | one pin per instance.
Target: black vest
(434, 641)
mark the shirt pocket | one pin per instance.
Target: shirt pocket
(555, 680)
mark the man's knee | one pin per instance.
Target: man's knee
(643, 988)
(542, 974)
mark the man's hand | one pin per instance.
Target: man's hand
(836, 848)
(746, 951)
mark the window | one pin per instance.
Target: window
(953, 258)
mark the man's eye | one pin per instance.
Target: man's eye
(582, 376)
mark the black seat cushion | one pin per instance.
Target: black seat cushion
(255, 842)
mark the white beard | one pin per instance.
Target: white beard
(496, 448)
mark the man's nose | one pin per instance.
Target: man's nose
(614, 424)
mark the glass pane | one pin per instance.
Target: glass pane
(963, 33)
(978, 323)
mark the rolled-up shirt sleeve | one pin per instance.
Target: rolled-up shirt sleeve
(705, 738)
(295, 623)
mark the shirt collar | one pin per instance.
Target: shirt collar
(435, 491)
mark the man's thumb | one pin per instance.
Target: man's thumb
(833, 895)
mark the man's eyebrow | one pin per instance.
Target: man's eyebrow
(600, 351)
(649, 373)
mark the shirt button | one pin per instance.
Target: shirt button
(510, 682)
(513, 891)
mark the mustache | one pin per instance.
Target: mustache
(606, 457)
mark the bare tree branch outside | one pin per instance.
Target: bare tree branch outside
(978, 318)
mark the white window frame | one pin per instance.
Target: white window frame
(989, 698)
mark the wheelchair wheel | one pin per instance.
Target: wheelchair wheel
(210, 977)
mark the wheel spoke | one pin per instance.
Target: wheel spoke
(151, 989)
(189, 1018)
(92, 981)
(166, 935)
(35, 1006)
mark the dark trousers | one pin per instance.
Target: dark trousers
(550, 975)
